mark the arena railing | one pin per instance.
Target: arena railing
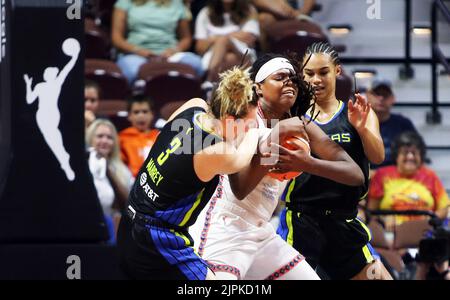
(406, 71)
(434, 117)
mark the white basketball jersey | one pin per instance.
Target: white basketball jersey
(263, 200)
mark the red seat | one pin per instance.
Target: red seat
(169, 85)
(169, 108)
(120, 121)
(296, 42)
(409, 234)
(110, 78)
(154, 68)
(104, 10)
(98, 44)
(287, 27)
(393, 258)
(116, 111)
(107, 107)
(172, 87)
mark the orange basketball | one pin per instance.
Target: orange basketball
(292, 143)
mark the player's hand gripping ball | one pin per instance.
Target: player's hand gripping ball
(292, 143)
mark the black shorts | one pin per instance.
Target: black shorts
(152, 252)
(339, 246)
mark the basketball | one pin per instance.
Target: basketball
(292, 143)
(71, 47)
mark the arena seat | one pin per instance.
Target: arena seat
(287, 27)
(108, 107)
(110, 78)
(409, 234)
(169, 108)
(169, 85)
(172, 87)
(120, 121)
(296, 42)
(104, 9)
(116, 111)
(97, 41)
(393, 258)
(154, 68)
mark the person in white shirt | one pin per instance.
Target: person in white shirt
(112, 179)
(224, 30)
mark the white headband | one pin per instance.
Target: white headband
(271, 66)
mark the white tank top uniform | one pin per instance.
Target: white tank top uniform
(237, 239)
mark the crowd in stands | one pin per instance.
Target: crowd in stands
(195, 40)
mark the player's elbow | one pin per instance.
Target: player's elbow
(377, 157)
(357, 176)
(237, 165)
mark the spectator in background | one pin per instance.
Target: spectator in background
(91, 101)
(143, 30)
(271, 11)
(408, 184)
(279, 9)
(382, 99)
(224, 30)
(285, 9)
(112, 178)
(304, 7)
(137, 140)
(195, 6)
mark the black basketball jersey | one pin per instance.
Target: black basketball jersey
(323, 193)
(167, 186)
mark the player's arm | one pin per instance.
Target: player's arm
(243, 182)
(365, 121)
(224, 158)
(278, 8)
(332, 163)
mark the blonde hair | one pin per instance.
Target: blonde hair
(159, 2)
(113, 158)
(234, 95)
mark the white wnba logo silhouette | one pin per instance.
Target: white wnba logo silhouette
(47, 115)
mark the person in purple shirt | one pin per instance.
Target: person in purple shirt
(382, 99)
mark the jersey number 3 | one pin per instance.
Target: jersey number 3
(174, 145)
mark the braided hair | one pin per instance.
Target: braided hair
(305, 98)
(323, 48)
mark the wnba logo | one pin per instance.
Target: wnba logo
(3, 31)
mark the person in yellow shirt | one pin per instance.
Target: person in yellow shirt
(137, 140)
(408, 185)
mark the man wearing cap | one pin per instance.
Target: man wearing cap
(382, 99)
